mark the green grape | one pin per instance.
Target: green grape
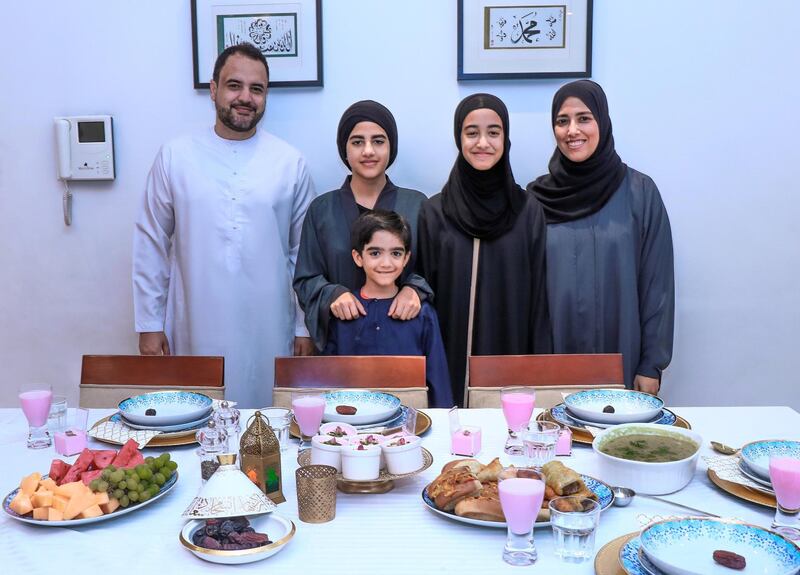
(164, 458)
(153, 491)
(106, 474)
(111, 468)
(159, 479)
(133, 484)
(117, 476)
(133, 496)
(142, 487)
(122, 484)
(124, 501)
(144, 473)
(94, 484)
(149, 459)
(172, 465)
(144, 496)
(118, 493)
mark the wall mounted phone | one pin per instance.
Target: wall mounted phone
(85, 152)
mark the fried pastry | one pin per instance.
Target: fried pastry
(452, 486)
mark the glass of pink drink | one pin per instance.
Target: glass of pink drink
(35, 401)
(308, 408)
(521, 499)
(784, 472)
(518, 403)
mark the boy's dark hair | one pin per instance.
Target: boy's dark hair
(246, 49)
(379, 220)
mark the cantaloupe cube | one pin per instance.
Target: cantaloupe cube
(21, 504)
(110, 507)
(78, 503)
(101, 497)
(54, 514)
(40, 513)
(68, 490)
(29, 484)
(47, 485)
(42, 499)
(93, 511)
(60, 502)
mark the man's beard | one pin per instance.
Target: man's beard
(237, 124)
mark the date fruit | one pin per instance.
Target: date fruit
(150, 411)
(609, 409)
(729, 559)
(346, 410)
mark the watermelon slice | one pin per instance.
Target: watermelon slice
(137, 459)
(82, 464)
(125, 454)
(88, 476)
(103, 458)
(58, 469)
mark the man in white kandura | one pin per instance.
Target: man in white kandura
(215, 244)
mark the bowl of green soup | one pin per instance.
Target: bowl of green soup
(649, 458)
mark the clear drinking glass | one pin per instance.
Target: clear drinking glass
(35, 401)
(518, 403)
(308, 408)
(574, 520)
(279, 418)
(57, 418)
(521, 499)
(784, 472)
(539, 442)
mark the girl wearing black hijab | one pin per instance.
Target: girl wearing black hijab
(326, 278)
(610, 277)
(483, 217)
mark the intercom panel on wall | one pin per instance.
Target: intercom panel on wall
(85, 147)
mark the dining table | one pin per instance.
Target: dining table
(385, 533)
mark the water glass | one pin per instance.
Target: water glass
(279, 418)
(574, 520)
(784, 473)
(35, 402)
(521, 499)
(57, 419)
(539, 442)
(518, 402)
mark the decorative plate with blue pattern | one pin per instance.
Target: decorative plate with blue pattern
(686, 546)
(170, 407)
(629, 406)
(562, 416)
(757, 453)
(634, 561)
(192, 425)
(604, 496)
(371, 406)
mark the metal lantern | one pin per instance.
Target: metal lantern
(260, 457)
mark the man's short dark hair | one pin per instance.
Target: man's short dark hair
(247, 50)
(379, 220)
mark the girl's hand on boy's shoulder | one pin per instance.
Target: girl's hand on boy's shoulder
(347, 307)
(406, 304)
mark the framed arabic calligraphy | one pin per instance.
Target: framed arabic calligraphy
(513, 39)
(288, 33)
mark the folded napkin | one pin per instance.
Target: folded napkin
(727, 467)
(120, 433)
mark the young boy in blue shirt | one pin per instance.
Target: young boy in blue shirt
(381, 242)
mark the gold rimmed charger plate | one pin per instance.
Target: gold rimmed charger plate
(606, 562)
(582, 436)
(423, 424)
(384, 483)
(742, 492)
(169, 439)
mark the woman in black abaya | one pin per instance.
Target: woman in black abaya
(482, 212)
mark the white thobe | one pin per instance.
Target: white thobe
(214, 252)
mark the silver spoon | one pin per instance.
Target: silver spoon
(722, 448)
(624, 495)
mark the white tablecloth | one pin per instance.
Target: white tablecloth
(372, 534)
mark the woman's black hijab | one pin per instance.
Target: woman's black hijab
(482, 203)
(574, 190)
(366, 111)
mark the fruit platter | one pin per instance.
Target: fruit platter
(99, 485)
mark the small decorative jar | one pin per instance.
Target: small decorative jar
(227, 418)
(327, 450)
(260, 455)
(361, 462)
(213, 442)
(403, 454)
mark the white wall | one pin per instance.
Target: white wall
(703, 96)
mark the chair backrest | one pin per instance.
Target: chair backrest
(108, 379)
(552, 375)
(400, 375)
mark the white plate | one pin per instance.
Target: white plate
(279, 530)
(747, 472)
(172, 407)
(166, 488)
(371, 406)
(685, 547)
(629, 406)
(164, 428)
(602, 490)
(756, 454)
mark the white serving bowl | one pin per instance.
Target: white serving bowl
(325, 454)
(361, 464)
(405, 458)
(279, 530)
(644, 477)
(171, 407)
(629, 406)
(371, 406)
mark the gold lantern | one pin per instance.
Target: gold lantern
(260, 457)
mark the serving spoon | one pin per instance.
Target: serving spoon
(624, 495)
(723, 449)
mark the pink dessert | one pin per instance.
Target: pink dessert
(564, 443)
(36, 406)
(521, 499)
(70, 442)
(517, 409)
(466, 441)
(308, 412)
(784, 472)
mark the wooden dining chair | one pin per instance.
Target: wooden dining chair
(551, 375)
(400, 375)
(108, 379)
